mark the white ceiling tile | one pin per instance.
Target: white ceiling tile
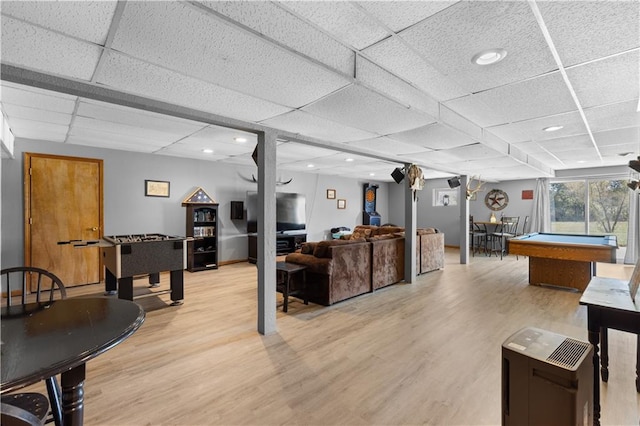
(96, 140)
(398, 18)
(35, 114)
(532, 129)
(88, 20)
(153, 122)
(131, 75)
(568, 143)
(188, 151)
(621, 151)
(385, 145)
(623, 114)
(613, 27)
(474, 109)
(476, 151)
(537, 97)
(18, 94)
(450, 38)
(117, 130)
(316, 127)
(629, 135)
(183, 38)
(340, 19)
(364, 109)
(614, 79)
(220, 139)
(98, 134)
(394, 55)
(33, 47)
(30, 129)
(574, 157)
(280, 25)
(384, 82)
(436, 136)
(296, 151)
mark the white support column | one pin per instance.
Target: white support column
(267, 233)
(410, 226)
(464, 220)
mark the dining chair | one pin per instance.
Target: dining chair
(24, 409)
(478, 236)
(33, 284)
(525, 226)
(506, 229)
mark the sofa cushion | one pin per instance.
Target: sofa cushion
(308, 248)
(383, 230)
(382, 237)
(322, 248)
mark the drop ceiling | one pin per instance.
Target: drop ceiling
(353, 88)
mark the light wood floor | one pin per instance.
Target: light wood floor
(422, 353)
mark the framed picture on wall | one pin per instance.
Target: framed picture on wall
(331, 194)
(156, 188)
(443, 197)
(342, 203)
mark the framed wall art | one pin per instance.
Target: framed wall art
(443, 197)
(331, 194)
(342, 203)
(156, 188)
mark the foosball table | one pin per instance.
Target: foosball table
(128, 256)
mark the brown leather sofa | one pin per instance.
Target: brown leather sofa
(368, 259)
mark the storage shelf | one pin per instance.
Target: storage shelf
(202, 227)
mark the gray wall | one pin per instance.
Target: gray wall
(447, 219)
(128, 211)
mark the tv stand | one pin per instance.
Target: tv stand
(285, 244)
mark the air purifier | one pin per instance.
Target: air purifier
(547, 379)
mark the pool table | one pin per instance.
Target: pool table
(564, 260)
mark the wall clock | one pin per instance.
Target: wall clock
(496, 199)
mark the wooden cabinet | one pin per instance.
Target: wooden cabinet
(202, 226)
(285, 244)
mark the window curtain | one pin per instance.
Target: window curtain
(633, 232)
(541, 213)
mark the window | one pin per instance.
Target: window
(590, 207)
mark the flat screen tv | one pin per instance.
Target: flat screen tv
(290, 212)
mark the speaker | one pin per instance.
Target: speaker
(397, 175)
(237, 210)
(454, 182)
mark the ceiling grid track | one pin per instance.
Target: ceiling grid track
(563, 72)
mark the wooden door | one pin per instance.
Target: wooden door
(63, 202)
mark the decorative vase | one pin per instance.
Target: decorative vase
(493, 219)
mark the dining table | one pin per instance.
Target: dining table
(41, 340)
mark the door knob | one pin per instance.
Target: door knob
(95, 228)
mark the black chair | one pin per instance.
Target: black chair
(506, 229)
(525, 226)
(34, 285)
(24, 409)
(478, 236)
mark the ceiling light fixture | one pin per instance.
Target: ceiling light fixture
(207, 151)
(348, 160)
(310, 165)
(241, 140)
(372, 174)
(489, 56)
(553, 128)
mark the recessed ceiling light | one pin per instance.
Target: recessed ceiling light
(310, 165)
(348, 160)
(207, 151)
(489, 56)
(240, 139)
(372, 174)
(552, 128)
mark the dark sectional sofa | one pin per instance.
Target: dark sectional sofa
(366, 260)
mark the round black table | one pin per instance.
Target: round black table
(40, 340)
